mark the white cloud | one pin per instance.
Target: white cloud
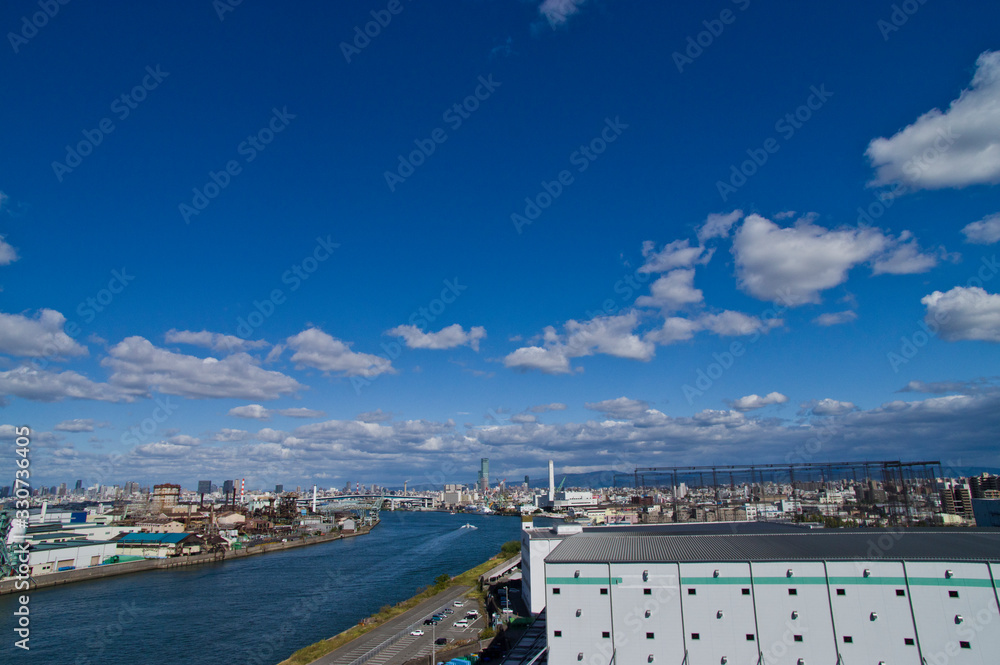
(558, 12)
(717, 225)
(751, 402)
(228, 434)
(716, 417)
(446, 338)
(254, 411)
(984, 232)
(76, 425)
(827, 407)
(44, 386)
(139, 367)
(954, 148)
(964, 313)
(671, 292)
(905, 258)
(731, 324)
(543, 408)
(38, 337)
(376, 416)
(7, 253)
(523, 418)
(726, 323)
(610, 335)
(674, 329)
(315, 348)
(548, 360)
(300, 412)
(677, 254)
(942, 387)
(214, 341)
(621, 408)
(793, 265)
(835, 318)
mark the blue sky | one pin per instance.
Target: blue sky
(257, 242)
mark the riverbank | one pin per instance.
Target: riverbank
(110, 570)
(402, 613)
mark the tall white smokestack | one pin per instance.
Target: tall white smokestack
(314, 498)
(552, 482)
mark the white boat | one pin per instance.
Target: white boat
(469, 526)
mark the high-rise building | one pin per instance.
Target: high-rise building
(278, 489)
(79, 485)
(484, 474)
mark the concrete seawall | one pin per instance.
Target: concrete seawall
(97, 572)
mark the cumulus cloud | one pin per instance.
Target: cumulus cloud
(984, 232)
(558, 12)
(964, 313)
(7, 253)
(827, 407)
(523, 418)
(718, 417)
(677, 254)
(953, 148)
(794, 264)
(315, 348)
(610, 335)
(717, 225)
(548, 360)
(835, 318)
(543, 408)
(376, 416)
(215, 341)
(254, 411)
(673, 291)
(332, 452)
(37, 337)
(674, 329)
(622, 408)
(944, 387)
(45, 386)
(904, 259)
(138, 367)
(726, 323)
(78, 425)
(751, 402)
(300, 412)
(446, 338)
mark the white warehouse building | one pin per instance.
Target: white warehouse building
(819, 597)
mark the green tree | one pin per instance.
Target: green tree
(510, 548)
(442, 580)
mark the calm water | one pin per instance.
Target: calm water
(254, 610)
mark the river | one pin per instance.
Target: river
(254, 610)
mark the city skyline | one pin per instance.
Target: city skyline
(385, 242)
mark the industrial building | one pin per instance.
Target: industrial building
(795, 597)
(52, 557)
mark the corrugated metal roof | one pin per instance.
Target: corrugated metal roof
(820, 545)
(167, 538)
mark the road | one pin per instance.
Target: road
(409, 646)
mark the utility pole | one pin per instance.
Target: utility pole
(433, 643)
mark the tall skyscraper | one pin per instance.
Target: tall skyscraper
(484, 474)
(79, 485)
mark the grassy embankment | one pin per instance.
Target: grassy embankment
(468, 578)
